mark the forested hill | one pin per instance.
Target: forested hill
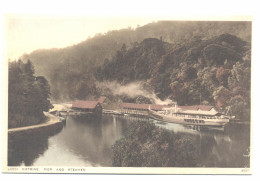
(190, 62)
(71, 68)
(214, 71)
(137, 63)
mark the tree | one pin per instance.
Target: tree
(209, 83)
(222, 96)
(240, 75)
(240, 108)
(239, 83)
(28, 96)
(188, 74)
(222, 75)
(146, 145)
(29, 68)
(123, 48)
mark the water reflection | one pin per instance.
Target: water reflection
(25, 149)
(87, 142)
(220, 147)
(216, 146)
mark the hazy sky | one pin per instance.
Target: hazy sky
(25, 34)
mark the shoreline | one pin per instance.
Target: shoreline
(50, 126)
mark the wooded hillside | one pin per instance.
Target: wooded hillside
(189, 62)
(62, 67)
(28, 95)
(214, 71)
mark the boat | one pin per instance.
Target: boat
(190, 115)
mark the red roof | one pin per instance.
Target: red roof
(196, 107)
(101, 99)
(85, 104)
(134, 106)
(142, 106)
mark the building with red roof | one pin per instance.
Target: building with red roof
(102, 99)
(87, 106)
(143, 107)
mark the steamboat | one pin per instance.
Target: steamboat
(191, 115)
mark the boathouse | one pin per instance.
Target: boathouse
(102, 99)
(87, 106)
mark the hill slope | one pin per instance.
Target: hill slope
(70, 70)
(214, 71)
(87, 55)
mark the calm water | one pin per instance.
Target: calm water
(88, 143)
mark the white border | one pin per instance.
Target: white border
(160, 9)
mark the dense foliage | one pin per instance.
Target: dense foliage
(146, 145)
(69, 70)
(188, 62)
(214, 71)
(28, 95)
(136, 63)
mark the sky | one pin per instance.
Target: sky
(47, 27)
(25, 34)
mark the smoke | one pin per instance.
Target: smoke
(159, 101)
(132, 90)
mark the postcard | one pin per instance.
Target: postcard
(127, 95)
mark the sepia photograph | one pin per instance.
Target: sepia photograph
(127, 95)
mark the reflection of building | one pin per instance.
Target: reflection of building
(87, 106)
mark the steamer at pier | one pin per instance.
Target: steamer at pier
(201, 115)
(192, 115)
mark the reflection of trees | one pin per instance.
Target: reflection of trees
(26, 150)
(28, 147)
(91, 123)
(91, 140)
(240, 136)
(206, 145)
(224, 150)
(94, 137)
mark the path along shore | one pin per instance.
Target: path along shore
(51, 126)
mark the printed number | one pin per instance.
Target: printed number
(245, 170)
